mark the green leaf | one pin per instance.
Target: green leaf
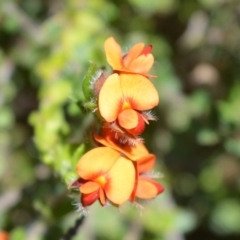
(87, 81)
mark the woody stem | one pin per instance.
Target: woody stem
(73, 230)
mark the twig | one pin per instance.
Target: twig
(73, 230)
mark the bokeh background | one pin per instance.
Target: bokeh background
(45, 49)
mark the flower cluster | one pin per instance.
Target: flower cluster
(118, 170)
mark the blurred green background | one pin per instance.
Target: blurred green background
(45, 49)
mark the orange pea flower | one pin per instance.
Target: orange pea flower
(145, 187)
(3, 235)
(133, 152)
(104, 175)
(124, 97)
(137, 60)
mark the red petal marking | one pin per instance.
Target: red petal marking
(133, 195)
(88, 199)
(146, 50)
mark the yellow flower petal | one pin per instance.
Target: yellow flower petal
(121, 181)
(132, 54)
(139, 91)
(142, 64)
(110, 98)
(113, 53)
(96, 162)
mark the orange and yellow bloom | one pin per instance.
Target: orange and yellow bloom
(124, 97)
(137, 60)
(105, 176)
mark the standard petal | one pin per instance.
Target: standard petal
(110, 98)
(147, 188)
(146, 163)
(89, 187)
(139, 91)
(132, 54)
(96, 162)
(113, 53)
(121, 181)
(142, 64)
(128, 119)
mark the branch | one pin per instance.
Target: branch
(73, 230)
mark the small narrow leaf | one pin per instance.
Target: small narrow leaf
(87, 81)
